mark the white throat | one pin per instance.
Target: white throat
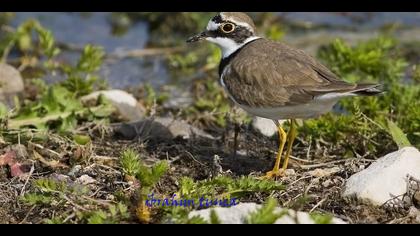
(229, 46)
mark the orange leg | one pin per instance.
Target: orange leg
(282, 141)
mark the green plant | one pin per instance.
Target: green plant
(220, 191)
(115, 214)
(371, 60)
(225, 187)
(130, 162)
(398, 135)
(81, 78)
(321, 218)
(61, 195)
(48, 191)
(58, 106)
(378, 61)
(152, 97)
(57, 109)
(147, 176)
(22, 39)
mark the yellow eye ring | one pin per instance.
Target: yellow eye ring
(227, 28)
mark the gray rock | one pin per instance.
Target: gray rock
(125, 103)
(237, 215)
(385, 178)
(160, 128)
(11, 84)
(75, 170)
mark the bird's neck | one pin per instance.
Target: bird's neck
(230, 46)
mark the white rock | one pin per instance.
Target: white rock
(125, 103)
(289, 172)
(11, 84)
(265, 126)
(385, 178)
(237, 214)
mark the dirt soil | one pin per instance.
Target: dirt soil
(195, 157)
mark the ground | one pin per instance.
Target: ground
(195, 158)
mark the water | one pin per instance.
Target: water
(95, 28)
(358, 20)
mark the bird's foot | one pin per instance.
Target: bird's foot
(274, 174)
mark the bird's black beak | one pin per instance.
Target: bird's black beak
(198, 37)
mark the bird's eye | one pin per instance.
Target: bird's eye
(227, 28)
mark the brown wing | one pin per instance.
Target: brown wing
(271, 74)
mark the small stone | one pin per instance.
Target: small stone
(289, 172)
(125, 103)
(241, 152)
(85, 180)
(74, 170)
(385, 178)
(61, 177)
(327, 183)
(11, 84)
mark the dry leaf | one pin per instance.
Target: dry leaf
(53, 164)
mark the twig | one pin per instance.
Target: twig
(302, 160)
(317, 205)
(44, 148)
(73, 203)
(27, 179)
(72, 215)
(191, 155)
(101, 202)
(321, 164)
(302, 178)
(309, 148)
(27, 215)
(107, 167)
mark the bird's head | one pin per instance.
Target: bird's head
(229, 30)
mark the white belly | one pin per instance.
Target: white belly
(315, 108)
(290, 112)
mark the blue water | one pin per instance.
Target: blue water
(95, 28)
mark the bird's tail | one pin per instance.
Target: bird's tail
(368, 89)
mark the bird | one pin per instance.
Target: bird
(273, 80)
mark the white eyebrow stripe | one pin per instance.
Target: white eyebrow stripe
(243, 24)
(212, 26)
